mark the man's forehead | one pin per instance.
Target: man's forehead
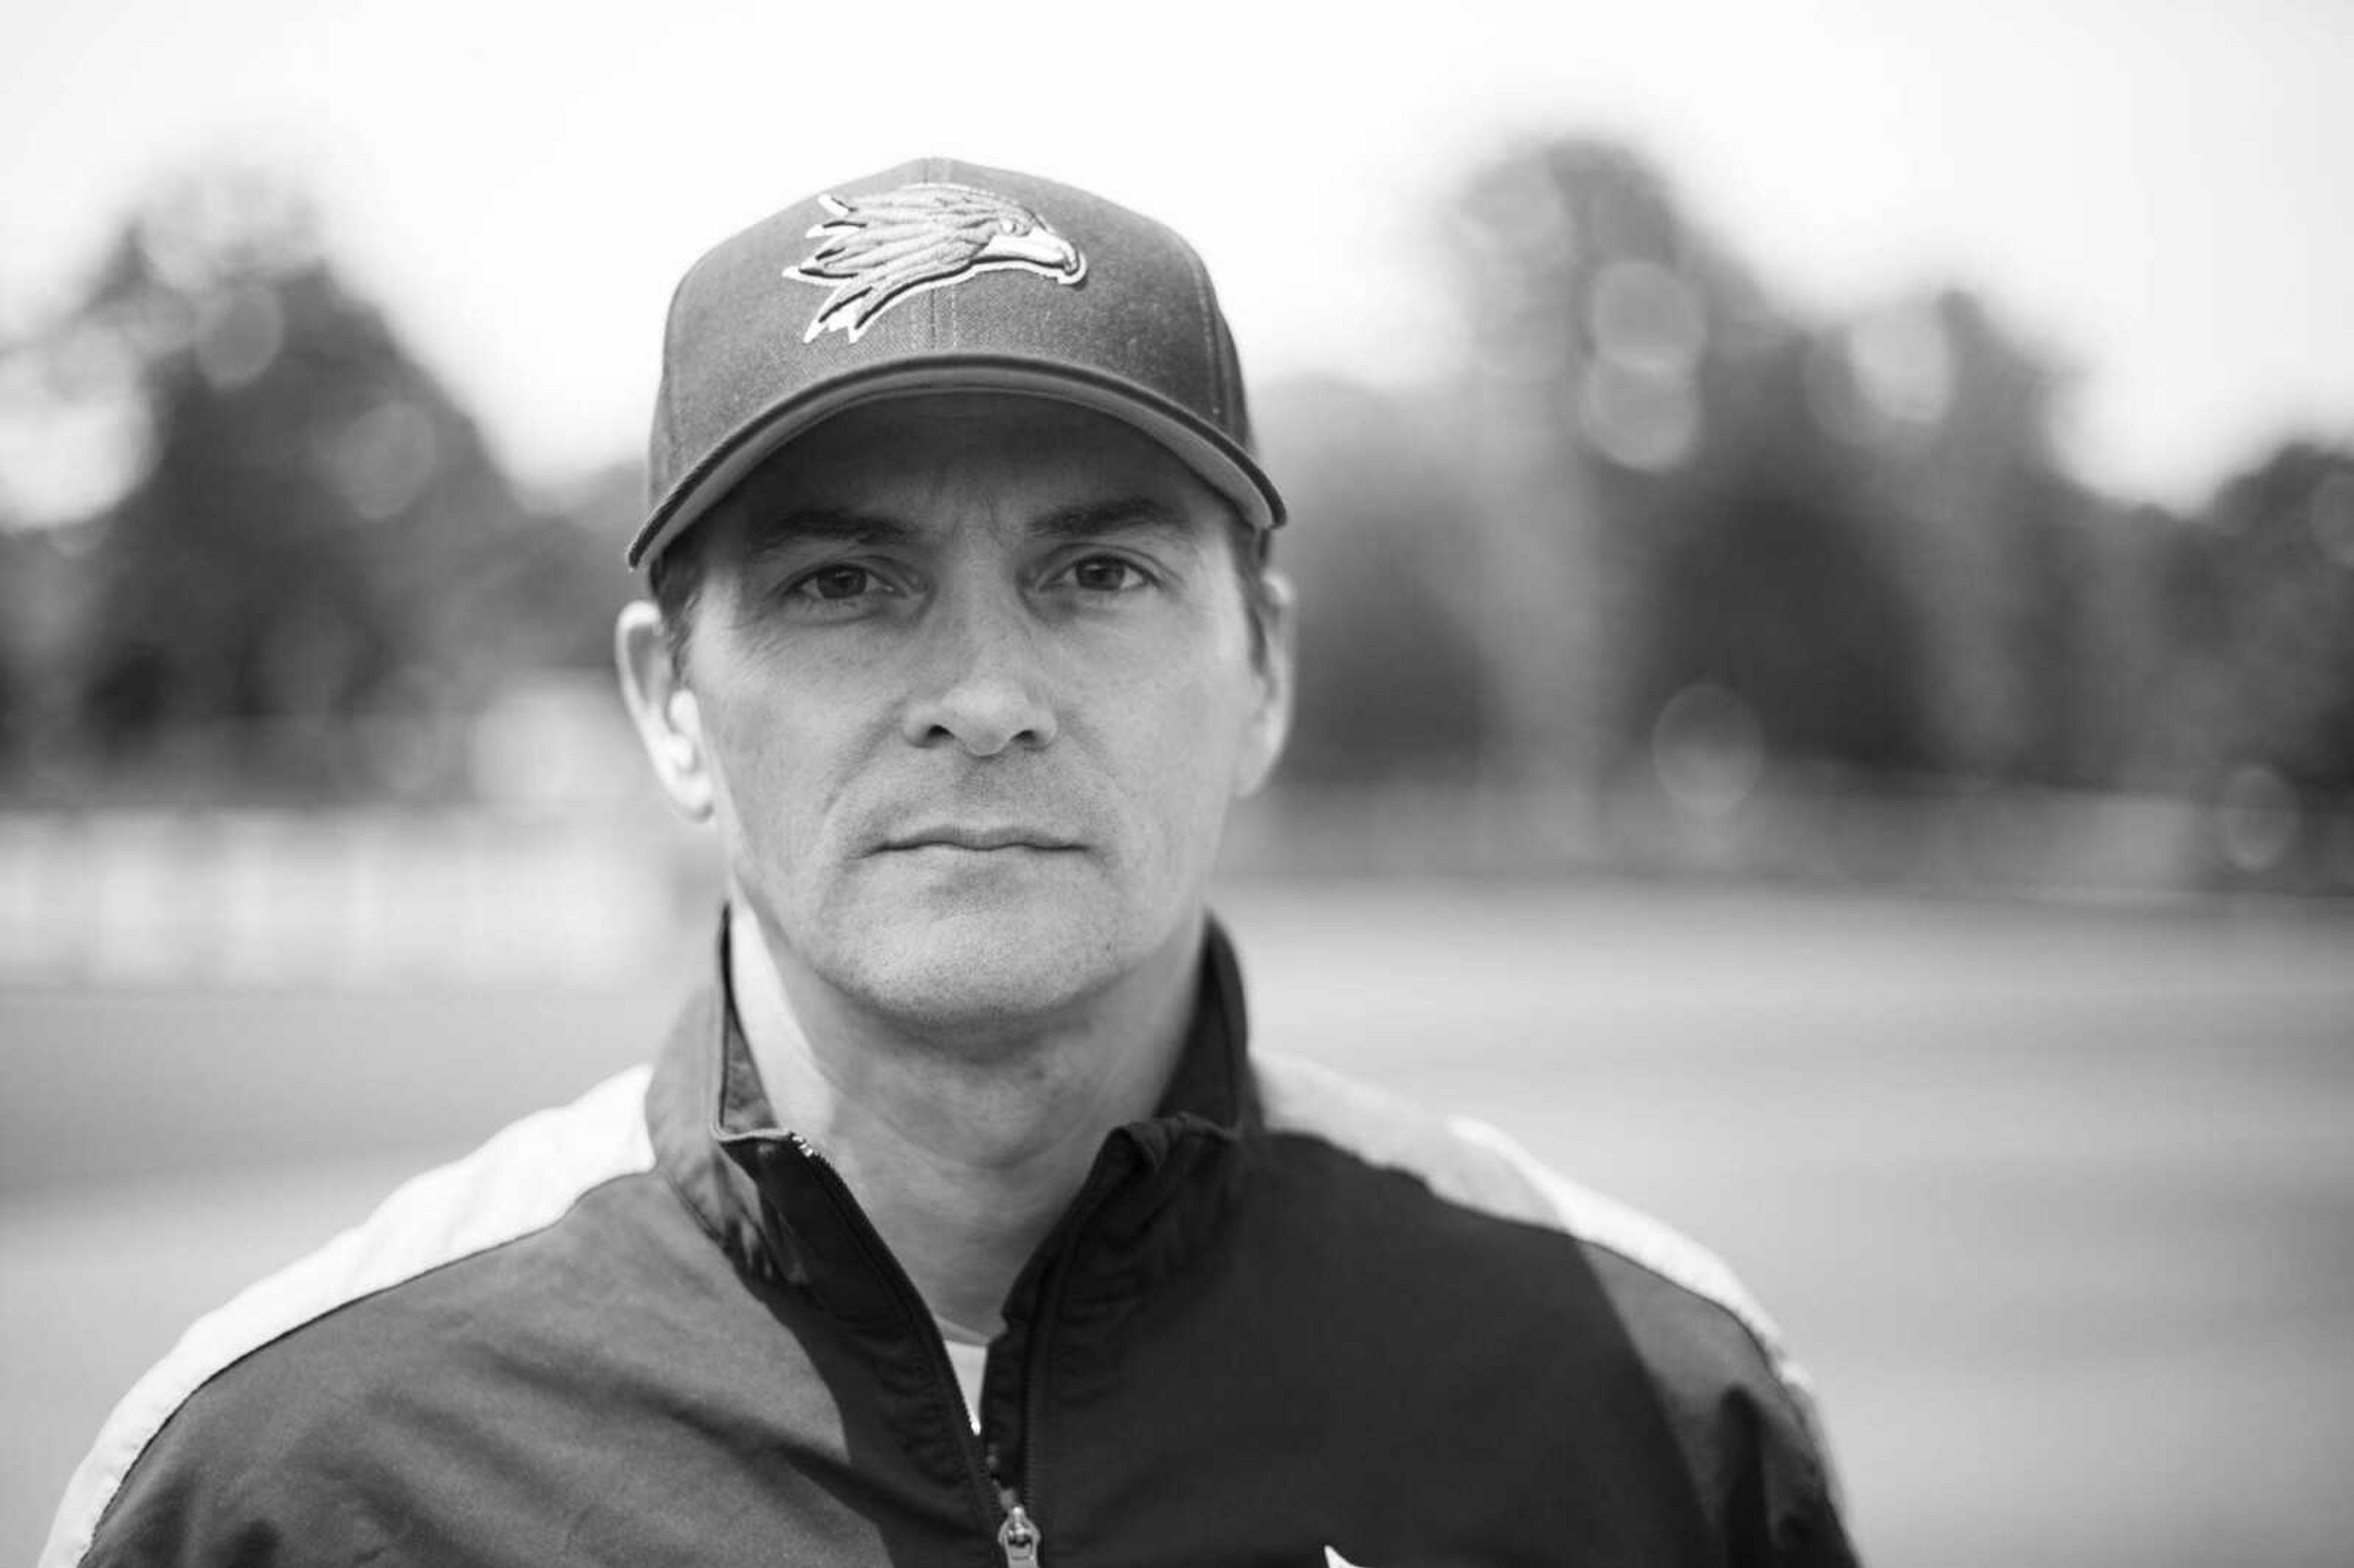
(784, 528)
(914, 464)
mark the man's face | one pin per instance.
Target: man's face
(975, 685)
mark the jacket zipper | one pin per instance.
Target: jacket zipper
(1018, 1537)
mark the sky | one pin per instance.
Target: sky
(2154, 197)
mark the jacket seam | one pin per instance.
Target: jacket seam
(1793, 1404)
(1555, 1223)
(122, 1482)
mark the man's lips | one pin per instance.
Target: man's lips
(976, 839)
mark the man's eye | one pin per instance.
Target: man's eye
(1106, 573)
(834, 585)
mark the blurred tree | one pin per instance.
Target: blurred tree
(565, 581)
(1659, 514)
(316, 569)
(1774, 578)
(2260, 617)
(278, 574)
(1553, 617)
(1952, 419)
(1389, 679)
(2127, 731)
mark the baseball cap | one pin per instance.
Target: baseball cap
(940, 276)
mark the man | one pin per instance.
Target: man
(954, 1225)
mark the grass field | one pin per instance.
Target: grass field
(2057, 1205)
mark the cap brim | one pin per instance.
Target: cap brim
(1221, 462)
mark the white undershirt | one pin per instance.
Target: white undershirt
(969, 1355)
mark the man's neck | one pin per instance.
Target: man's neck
(963, 1159)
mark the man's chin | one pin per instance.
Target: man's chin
(983, 969)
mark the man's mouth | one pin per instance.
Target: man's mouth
(979, 839)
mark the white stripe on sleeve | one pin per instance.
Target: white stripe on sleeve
(523, 1180)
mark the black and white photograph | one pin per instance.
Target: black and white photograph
(974, 785)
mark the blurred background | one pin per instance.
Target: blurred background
(1826, 545)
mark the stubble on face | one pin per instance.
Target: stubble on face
(981, 786)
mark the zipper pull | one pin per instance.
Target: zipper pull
(1018, 1538)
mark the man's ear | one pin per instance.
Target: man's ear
(1270, 723)
(668, 723)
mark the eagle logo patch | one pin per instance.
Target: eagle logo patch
(879, 250)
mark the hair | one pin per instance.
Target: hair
(674, 579)
(675, 582)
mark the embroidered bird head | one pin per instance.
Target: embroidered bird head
(880, 248)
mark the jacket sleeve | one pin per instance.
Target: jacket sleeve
(1774, 1501)
(231, 1475)
(1741, 1415)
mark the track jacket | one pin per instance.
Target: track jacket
(1286, 1320)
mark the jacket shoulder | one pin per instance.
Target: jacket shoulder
(522, 1180)
(1741, 1410)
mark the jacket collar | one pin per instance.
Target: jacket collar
(1158, 1187)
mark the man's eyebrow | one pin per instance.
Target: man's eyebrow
(1125, 513)
(824, 525)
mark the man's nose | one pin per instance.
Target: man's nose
(981, 685)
